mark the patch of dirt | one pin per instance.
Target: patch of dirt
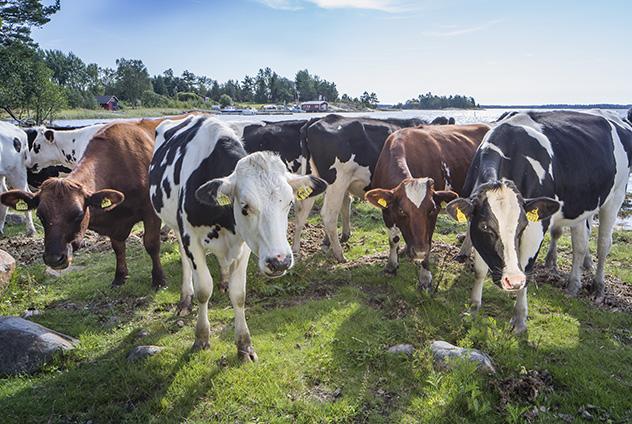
(524, 388)
(25, 250)
(618, 295)
(323, 394)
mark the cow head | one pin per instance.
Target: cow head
(261, 192)
(413, 206)
(63, 207)
(498, 219)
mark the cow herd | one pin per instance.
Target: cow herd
(227, 188)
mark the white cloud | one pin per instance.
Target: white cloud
(453, 31)
(390, 6)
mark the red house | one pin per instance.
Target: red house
(315, 106)
(108, 102)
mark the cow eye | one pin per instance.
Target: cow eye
(401, 211)
(244, 210)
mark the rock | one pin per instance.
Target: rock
(26, 346)
(31, 313)
(587, 415)
(142, 352)
(443, 351)
(180, 323)
(7, 268)
(406, 349)
(15, 219)
(59, 272)
(142, 333)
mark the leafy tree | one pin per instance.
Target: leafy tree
(132, 79)
(151, 99)
(225, 100)
(17, 17)
(247, 89)
(305, 85)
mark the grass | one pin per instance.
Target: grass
(321, 333)
(123, 113)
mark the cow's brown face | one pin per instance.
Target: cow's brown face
(413, 206)
(63, 207)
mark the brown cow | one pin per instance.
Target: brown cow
(418, 170)
(108, 192)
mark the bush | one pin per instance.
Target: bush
(187, 97)
(151, 99)
(225, 100)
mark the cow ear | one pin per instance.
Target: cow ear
(379, 197)
(460, 209)
(105, 200)
(443, 197)
(49, 135)
(217, 192)
(20, 200)
(540, 208)
(305, 186)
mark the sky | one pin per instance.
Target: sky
(499, 52)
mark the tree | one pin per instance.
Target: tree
(305, 86)
(132, 79)
(18, 16)
(225, 100)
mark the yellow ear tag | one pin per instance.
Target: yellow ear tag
(223, 200)
(106, 203)
(443, 205)
(382, 203)
(304, 192)
(21, 205)
(533, 215)
(460, 216)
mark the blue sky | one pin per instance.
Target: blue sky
(515, 52)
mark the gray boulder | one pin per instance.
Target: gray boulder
(15, 219)
(7, 268)
(141, 352)
(444, 354)
(406, 349)
(26, 346)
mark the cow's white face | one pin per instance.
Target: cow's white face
(44, 151)
(498, 217)
(261, 192)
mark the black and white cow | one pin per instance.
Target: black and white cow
(14, 158)
(536, 169)
(343, 151)
(222, 201)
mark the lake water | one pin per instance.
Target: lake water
(460, 116)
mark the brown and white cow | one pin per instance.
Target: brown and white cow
(107, 192)
(418, 170)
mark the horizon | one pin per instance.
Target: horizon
(500, 54)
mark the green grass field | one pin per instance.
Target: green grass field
(322, 334)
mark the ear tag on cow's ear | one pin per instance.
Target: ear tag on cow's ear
(533, 215)
(21, 205)
(106, 203)
(223, 200)
(460, 216)
(304, 192)
(382, 203)
(443, 205)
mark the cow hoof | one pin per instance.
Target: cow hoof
(425, 286)
(600, 296)
(200, 345)
(518, 326)
(118, 281)
(247, 354)
(461, 258)
(474, 308)
(159, 283)
(340, 259)
(572, 289)
(185, 307)
(344, 237)
(390, 271)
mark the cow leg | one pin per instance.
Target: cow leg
(237, 294)
(393, 259)
(579, 238)
(20, 182)
(588, 262)
(331, 208)
(186, 291)
(202, 289)
(121, 262)
(151, 240)
(607, 219)
(3, 209)
(346, 218)
(466, 249)
(550, 261)
(521, 309)
(302, 210)
(480, 272)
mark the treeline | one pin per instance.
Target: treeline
(431, 101)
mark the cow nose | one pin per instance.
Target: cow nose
(415, 253)
(513, 282)
(278, 264)
(56, 260)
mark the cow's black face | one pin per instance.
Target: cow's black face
(499, 218)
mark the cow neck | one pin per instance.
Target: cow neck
(85, 175)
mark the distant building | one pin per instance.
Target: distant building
(315, 106)
(382, 106)
(108, 102)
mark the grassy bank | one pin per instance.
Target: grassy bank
(321, 334)
(124, 113)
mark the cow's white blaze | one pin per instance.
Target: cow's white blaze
(494, 148)
(416, 190)
(505, 207)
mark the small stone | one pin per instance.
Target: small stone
(142, 333)
(15, 219)
(444, 351)
(567, 418)
(7, 268)
(141, 352)
(180, 323)
(337, 393)
(406, 349)
(587, 415)
(59, 272)
(31, 313)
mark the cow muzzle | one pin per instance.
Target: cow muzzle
(58, 260)
(276, 266)
(416, 253)
(513, 282)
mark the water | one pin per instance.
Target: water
(461, 117)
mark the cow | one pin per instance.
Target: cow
(442, 120)
(343, 152)
(282, 137)
(419, 171)
(220, 200)
(14, 157)
(536, 169)
(107, 192)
